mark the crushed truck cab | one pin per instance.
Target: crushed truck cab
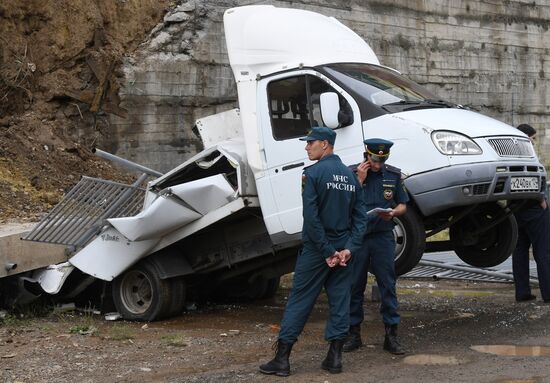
(228, 220)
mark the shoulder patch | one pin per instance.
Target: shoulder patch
(307, 170)
(393, 169)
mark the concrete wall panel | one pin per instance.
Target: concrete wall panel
(489, 55)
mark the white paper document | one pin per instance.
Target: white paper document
(377, 210)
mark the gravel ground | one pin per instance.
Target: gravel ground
(226, 342)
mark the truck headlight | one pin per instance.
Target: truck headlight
(452, 143)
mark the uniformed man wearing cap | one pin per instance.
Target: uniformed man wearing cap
(334, 223)
(383, 188)
(533, 219)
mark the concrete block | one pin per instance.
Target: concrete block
(17, 256)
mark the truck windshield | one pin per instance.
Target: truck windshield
(385, 87)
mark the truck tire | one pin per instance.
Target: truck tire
(410, 241)
(489, 248)
(140, 295)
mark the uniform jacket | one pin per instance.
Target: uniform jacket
(383, 189)
(333, 208)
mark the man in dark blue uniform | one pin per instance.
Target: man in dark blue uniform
(383, 188)
(334, 223)
(533, 230)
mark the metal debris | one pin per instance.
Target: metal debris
(113, 316)
(449, 266)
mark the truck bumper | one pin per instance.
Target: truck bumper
(461, 185)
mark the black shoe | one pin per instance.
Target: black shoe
(353, 340)
(526, 298)
(333, 361)
(391, 341)
(279, 365)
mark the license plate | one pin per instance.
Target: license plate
(524, 183)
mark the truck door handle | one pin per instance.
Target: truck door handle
(292, 166)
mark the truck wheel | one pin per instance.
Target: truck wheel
(410, 241)
(489, 248)
(139, 294)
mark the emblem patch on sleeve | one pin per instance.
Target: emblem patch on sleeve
(388, 194)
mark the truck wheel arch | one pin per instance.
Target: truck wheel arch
(170, 262)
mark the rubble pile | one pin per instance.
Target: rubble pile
(59, 75)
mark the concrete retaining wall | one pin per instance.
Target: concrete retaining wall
(491, 56)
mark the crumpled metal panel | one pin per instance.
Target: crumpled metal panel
(175, 207)
(110, 254)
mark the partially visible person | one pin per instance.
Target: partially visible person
(383, 188)
(334, 223)
(533, 221)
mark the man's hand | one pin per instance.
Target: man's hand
(344, 257)
(333, 260)
(386, 216)
(544, 204)
(362, 170)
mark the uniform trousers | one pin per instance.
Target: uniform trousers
(533, 229)
(378, 251)
(311, 274)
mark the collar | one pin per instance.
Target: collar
(330, 156)
(381, 172)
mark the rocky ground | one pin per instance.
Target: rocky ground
(442, 320)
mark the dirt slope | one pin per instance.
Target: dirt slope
(59, 63)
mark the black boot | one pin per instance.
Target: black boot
(333, 361)
(353, 340)
(391, 342)
(279, 365)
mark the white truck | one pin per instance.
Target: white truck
(230, 217)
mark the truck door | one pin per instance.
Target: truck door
(289, 107)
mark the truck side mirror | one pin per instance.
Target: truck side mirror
(330, 106)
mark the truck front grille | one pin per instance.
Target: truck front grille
(512, 147)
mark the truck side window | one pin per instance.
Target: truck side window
(294, 106)
(318, 86)
(288, 108)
